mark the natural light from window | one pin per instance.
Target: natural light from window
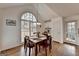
(28, 25)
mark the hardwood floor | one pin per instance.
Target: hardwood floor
(57, 50)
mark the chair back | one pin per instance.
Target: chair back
(26, 40)
(49, 39)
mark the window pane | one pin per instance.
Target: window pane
(34, 19)
(26, 24)
(30, 15)
(33, 28)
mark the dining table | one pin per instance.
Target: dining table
(36, 40)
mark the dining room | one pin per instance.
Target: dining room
(39, 29)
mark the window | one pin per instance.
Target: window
(28, 25)
(71, 30)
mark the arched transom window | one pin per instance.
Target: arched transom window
(29, 17)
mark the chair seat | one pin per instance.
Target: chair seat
(31, 45)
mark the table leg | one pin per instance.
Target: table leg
(50, 47)
(36, 50)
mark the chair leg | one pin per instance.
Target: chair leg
(46, 51)
(50, 47)
(39, 48)
(29, 51)
(24, 46)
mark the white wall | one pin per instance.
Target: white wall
(57, 28)
(1, 28)
(11, 34)
(74, 18)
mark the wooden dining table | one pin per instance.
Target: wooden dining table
(36, 41)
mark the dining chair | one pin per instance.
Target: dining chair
(46, 43)
(28, 44)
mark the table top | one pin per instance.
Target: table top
(36, 39)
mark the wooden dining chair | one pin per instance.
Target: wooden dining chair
(46, 43)
(28, 44)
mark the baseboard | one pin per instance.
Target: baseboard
(56, 41)
(70, 44)
(11, 47)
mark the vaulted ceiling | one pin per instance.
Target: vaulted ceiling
(65, 9)
(6, 5)
(51, 9)
(45, 11)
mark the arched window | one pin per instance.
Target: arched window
(28, 24)
(29, 17)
